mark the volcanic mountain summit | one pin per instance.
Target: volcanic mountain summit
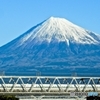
(54, 45)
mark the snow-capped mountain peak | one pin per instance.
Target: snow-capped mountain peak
(54, 45)
(59, 29)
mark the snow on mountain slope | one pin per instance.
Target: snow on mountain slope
(53, 45)
(61, 30)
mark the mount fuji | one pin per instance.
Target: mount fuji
(54, 46)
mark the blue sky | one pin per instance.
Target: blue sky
(17, 16)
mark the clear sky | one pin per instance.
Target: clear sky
(17, 16)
